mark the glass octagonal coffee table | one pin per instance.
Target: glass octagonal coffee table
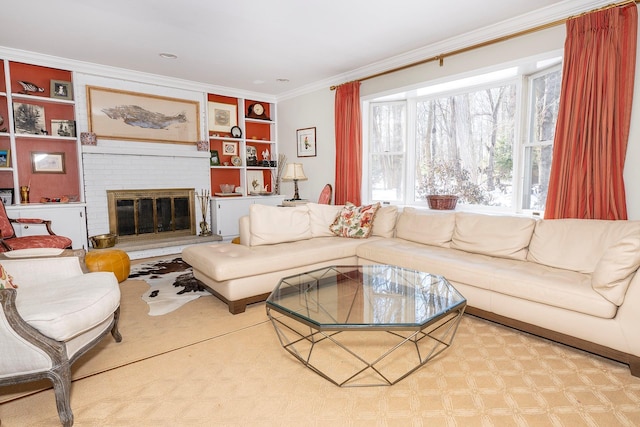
(365, 325)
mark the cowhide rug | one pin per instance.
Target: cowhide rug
(171, 284)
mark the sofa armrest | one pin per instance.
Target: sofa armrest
(245, 230)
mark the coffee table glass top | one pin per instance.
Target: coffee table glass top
(365, 297)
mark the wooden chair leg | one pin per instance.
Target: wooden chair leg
(61, 379)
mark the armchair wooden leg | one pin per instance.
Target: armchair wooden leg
(114, 330)
(61, 379)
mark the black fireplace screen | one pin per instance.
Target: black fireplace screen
(148, 214)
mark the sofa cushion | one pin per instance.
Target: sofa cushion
(422, 226)
(6, 281)
(66, 308)
(576, 244)
(272, 224)
(384, 224)
(321, 217)
(565, 289)
(355, 221)
(502, 236)
(226, 261)
(614, 271)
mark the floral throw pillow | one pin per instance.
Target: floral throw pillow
(6, 281)
(354, 221)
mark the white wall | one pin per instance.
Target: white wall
(311, 110)
(316, 109)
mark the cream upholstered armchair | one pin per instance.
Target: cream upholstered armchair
(56, 313)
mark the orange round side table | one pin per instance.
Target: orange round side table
(113, 260)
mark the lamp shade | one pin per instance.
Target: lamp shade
(294, 172)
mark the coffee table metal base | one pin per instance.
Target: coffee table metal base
(367, 356)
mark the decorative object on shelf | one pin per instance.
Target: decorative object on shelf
(227, 188)
(230, 148)
(63, 127)
(252, 156)
(236, 161)
(28, 87)
(202, 145)
(29, 118)
(24, 193)
(6, 195)
(203, 198)
(294, 172)
(214, 160)
(88, 138)
(5, 158)
(1, 123)
(47, 162)
(61, 89)
(236, 132)
(117, 114)
(222, 117)
(255, 181)
(282, 161)
(257, 111)
(306, 139)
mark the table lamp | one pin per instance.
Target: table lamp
(295, 173)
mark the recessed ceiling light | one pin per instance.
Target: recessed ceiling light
(168, 56)
(282, 80)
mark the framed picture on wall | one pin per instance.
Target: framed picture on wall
(222, 117)
(47, 162)
(306, 142)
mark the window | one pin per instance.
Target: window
(466, 137)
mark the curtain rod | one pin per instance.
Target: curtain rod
(440, 58)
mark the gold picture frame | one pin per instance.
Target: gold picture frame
(132, 116)
(42, 162)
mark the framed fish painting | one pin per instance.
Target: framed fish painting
(123, 115)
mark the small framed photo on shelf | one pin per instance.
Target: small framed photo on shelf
(6, 195)
(63, 128)
(61, 89)
(230, 148)
(306, 142)
(47, 162)
(5, 158)
(214, 160)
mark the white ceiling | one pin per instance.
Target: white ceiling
(250, 44)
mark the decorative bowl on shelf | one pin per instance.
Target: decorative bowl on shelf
(227, 188)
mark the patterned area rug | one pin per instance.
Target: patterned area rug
(171, 284)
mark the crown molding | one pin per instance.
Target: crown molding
(533, 19)
(89, 68)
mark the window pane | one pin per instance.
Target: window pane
(545, 102)
(387, 172)
(537, 164)
(464, 146)
(388, 127)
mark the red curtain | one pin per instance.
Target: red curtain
(348, 144)
(593, 120)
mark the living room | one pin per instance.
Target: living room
(304, 107)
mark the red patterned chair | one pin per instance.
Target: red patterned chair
(10, 242)
(325, 195)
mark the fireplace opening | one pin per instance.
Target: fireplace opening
(151, 214)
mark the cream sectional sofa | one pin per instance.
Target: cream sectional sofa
(573, 281)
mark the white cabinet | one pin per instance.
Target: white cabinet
(226, 212)
(67, 220)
